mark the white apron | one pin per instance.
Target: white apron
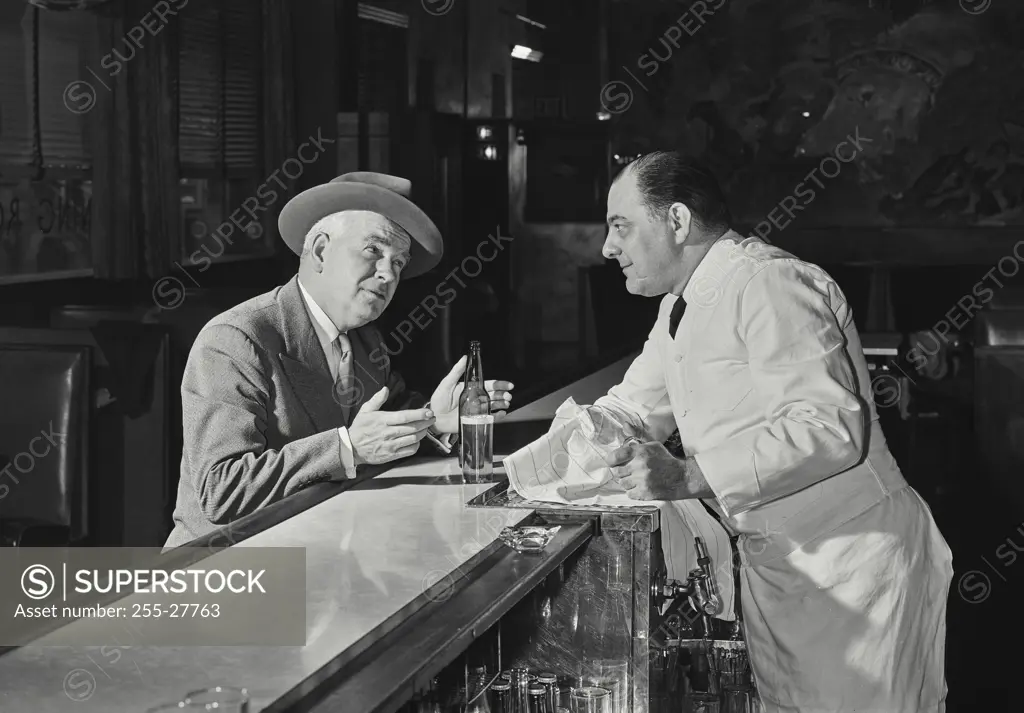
(854, 620)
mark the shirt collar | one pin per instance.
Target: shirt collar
(319, 316)
(711, 267)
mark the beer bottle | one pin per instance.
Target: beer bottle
(502, 697)
(538, 699)
(476, 424)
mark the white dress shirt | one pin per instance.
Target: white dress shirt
(327, 333)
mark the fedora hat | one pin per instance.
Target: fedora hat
(365, 190)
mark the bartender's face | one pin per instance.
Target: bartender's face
(647, 248)
(355, 264)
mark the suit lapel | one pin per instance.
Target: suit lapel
(368, 374)
(304, 363)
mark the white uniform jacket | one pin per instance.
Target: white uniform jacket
(845, 575)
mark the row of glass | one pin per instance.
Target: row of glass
(520, 691)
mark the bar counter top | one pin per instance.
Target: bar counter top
(372, 552)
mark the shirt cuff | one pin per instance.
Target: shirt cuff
(729, 472)
(348, 458)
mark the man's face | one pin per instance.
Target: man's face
(358, 266)
(642, 246)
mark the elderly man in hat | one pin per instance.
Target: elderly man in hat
(281, 392)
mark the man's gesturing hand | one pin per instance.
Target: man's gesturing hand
(445, 399)
(383, 436)
(648, 471)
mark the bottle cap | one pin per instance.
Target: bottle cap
(547, 677)
(501, 686)
(536, 689)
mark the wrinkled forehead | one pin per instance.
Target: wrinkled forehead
(361, 226)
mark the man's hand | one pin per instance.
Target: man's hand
(445, 400)
(383, 436)
(647, 471)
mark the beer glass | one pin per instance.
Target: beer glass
(590, 699)
(613, 674)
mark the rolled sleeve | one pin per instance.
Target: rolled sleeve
(815, 420)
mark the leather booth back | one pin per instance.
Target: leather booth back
(44, 413)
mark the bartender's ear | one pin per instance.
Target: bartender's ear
(680, 219)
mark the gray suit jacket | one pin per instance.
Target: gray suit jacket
(260, 412)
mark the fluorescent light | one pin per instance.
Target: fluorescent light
(521, 52)
(528, 21)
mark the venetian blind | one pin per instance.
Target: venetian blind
(17, 92)
(65, 49)
(219, 80)
(44, 56)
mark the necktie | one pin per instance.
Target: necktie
(345, 382)
(677, 314)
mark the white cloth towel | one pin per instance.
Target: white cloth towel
(568, 466)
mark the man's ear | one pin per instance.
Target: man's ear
(680, 221)
(317, 250)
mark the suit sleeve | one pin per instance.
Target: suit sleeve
(814, 421)
(224, 395)
(643, 393)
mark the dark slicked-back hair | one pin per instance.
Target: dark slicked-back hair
(666, 177)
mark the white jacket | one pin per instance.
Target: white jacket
(767, 383)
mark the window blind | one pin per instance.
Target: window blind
(41, 54)
(66, 43)
(219, 80)
(17, 93)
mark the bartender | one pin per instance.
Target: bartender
(283, 390)
(755, 358)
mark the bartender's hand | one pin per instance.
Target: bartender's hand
(647, 471)
(383, 436)
(445, 400)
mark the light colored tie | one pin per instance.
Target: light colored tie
(347, 386)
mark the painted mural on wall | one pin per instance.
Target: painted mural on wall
(847, 112)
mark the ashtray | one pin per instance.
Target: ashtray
(528, 538)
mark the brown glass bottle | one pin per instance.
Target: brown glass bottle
(476, 424)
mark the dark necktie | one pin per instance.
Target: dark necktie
(677, 315)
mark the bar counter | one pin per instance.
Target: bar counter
(381, 551)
